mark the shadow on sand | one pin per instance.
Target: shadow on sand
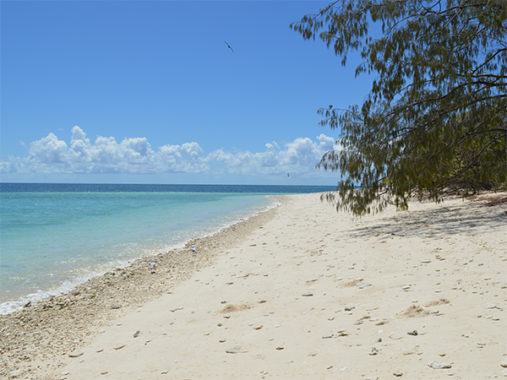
(437, 223)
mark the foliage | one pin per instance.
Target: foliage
(434, 120)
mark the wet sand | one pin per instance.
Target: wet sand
(300, 291)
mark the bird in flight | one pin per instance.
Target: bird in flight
(229, 46)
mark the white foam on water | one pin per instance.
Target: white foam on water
(66, 286)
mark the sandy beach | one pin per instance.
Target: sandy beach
(299, 291)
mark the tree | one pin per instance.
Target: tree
(434, 119)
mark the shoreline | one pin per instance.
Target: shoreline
(100, 298)
(298, 291)
(68, 285)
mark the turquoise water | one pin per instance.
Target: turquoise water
(52, 238)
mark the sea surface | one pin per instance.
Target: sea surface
(55, 236)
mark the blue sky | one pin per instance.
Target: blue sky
(127, 91)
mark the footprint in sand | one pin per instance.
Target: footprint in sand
(233, 308)
(415, 311)
(441, 301)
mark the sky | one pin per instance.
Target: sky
(149, 92)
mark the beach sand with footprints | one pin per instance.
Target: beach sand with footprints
(300, 291)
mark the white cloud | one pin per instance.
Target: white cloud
(185, 158)
(298, 157)
(6, 167)
(49, 150)
(135, 155)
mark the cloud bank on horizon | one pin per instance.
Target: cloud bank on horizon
(136, 155)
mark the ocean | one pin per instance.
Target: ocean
(55, 236)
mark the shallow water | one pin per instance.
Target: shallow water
(53, 237)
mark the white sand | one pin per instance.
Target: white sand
(312, 292)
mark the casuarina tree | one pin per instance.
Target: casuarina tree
(434, 120)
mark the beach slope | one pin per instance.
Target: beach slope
(312, 293)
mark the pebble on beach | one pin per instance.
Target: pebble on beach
(440, 365)
(235, 350)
